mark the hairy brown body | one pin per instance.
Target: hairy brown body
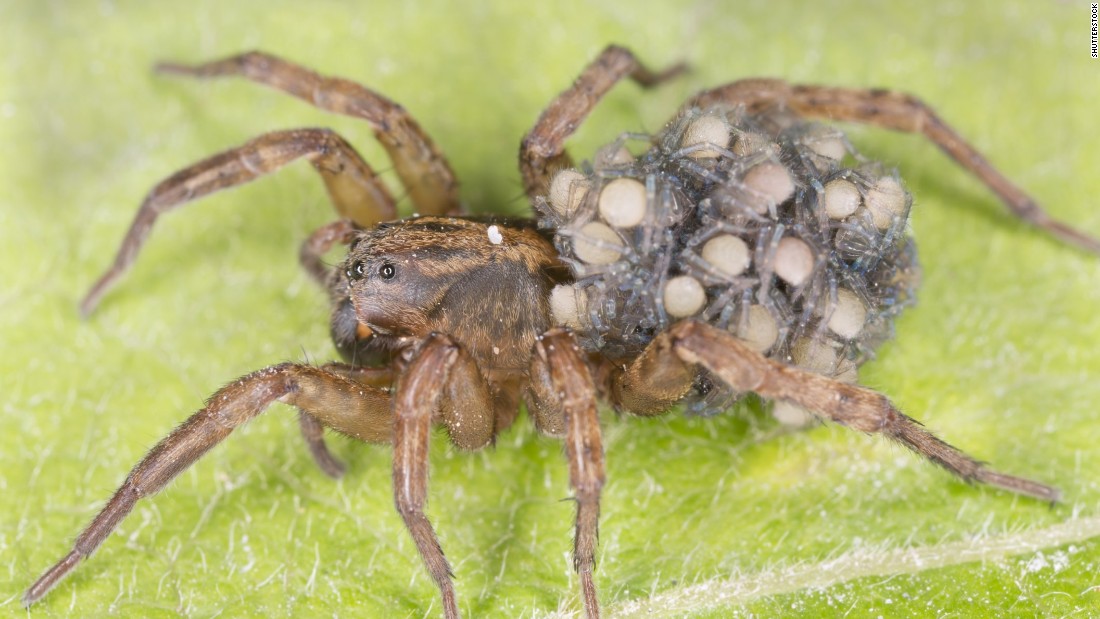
(445, 271)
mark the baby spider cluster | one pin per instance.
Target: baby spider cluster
(768, 226)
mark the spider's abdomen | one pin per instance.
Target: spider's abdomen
(762, 224)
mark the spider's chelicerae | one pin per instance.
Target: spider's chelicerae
(741, 250)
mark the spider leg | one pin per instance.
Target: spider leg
(542, 152)
(746, 370)
(312, 428)
(352, 185)
(313, 249)
(421, 390)
(564, 391)
(313, 431)
(419, 163)
(898, 111)
(347, 406)
(653, 382)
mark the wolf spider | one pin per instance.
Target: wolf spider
(446, 319)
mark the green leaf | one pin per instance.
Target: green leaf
(701, 517)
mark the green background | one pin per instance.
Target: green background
(701, 517)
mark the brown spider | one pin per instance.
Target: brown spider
(738, 255)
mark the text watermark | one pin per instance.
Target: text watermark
(1093, 35)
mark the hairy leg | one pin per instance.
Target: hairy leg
(319, 243)
(352, 184)
(891, 110)
(440, 377)
(746, 370)
(559, 365)
(653, 382)
(313, 430)
(423, 169)
(542, 152)
(347, 406)
(419, 393)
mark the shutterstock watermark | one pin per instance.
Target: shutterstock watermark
(1095, 6)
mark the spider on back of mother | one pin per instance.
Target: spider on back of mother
(742, 250)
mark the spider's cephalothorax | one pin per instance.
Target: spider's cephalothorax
(761, 224)
(431, 274)
(744, 251)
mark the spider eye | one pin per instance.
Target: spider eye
(356, 271)
(387, 271)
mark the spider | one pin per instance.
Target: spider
(745, 251)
